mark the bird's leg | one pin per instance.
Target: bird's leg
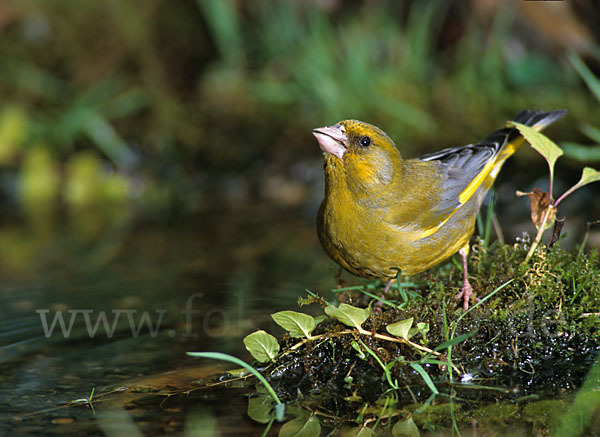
(387, 287)
(377, 306)
(466, 291)
(338, 278)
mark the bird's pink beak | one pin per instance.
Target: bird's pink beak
(332, 139)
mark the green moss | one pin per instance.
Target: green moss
(438, 414)
(542, 330)
(545, 413)
(536, 336)
(501, 412)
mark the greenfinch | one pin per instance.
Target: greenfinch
(382, 214)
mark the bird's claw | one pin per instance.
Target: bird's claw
(467, 294)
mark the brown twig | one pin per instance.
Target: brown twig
(370, 334)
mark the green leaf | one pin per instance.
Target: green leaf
(106, 138)
(581, 152)
(588, 176)
(301, 427)
(425, 377)
(353, 431)
(454, 341)
(237, 373)
(437, 362)
(297, 324)
(406, 428)
(540, 142)
(348, 315)
(400, 329)
(358, 349)
(586, 74)
(423, 328)
(223, 22)
(320, 318)
(583, 408)
(365, 432)
(592, 132)
(260, 409)
(262, 346)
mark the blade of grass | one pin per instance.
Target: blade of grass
(225, 357)
(454, 341)
(222, 19)
(388, 374)
(425, 377)
(586, 74)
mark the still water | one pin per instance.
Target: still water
(118, 313)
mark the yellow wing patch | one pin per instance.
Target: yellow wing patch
(490, 169)
(497, 162)
(487, 175)
(431, 231)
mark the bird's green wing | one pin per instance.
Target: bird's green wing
(464, 170)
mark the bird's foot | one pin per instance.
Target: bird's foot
(377, 308)
(466, 293)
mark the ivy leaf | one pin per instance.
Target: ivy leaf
(400, 329)
(301, 427)
(262, 346)
(348, 315)
(406, 428)
(423, 328)
(260, 408)
(320, 318)
(540, 142)
(365, 432)
(353, 431)
(297, 324)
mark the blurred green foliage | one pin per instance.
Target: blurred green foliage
(586, 153)
(156, 107)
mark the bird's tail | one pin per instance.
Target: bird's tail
(537, 119)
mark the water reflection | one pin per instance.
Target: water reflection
(131, 307)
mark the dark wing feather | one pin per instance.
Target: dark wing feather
(460, 165)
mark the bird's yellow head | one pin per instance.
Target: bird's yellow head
(359, 153)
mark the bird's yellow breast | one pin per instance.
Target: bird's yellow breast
(375, 235)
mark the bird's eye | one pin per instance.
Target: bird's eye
(365, 141)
